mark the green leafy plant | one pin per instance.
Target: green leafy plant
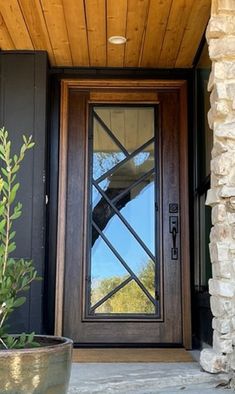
(16, 275)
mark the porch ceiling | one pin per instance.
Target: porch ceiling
(160, 33)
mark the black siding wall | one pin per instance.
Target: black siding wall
(23, 111)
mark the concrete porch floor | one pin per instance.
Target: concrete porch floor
(144, 378)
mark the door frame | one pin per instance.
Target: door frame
(131, 84)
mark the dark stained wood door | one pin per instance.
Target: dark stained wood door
(123, 266)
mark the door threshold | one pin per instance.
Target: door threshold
(127, 345)
(131, 355)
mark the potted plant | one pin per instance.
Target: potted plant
(28, 363)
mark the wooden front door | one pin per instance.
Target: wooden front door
(123, 217)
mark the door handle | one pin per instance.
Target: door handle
(174, 237)
(174, 230)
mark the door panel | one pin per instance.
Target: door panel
(92, 310)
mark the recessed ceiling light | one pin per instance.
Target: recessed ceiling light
(118, 40)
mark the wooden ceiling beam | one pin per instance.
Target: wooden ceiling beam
(57, 30)
(137, 13)
(96, 28)
(155, 31)
(177, 21)
(193, 33)
(15, 23)
(77, 31)
(5, 38)
(35, 22)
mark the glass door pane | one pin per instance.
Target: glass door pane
(122, 267)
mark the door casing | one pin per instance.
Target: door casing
(116, 84)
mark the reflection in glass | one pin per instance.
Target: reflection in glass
(132, 126)
(129, 299)
(106, 272)
(96, 197)
(120, 237)
(106, 153)
(137, 207)
(129, 172)
(127, 249)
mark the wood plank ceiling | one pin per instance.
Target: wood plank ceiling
(160, 33)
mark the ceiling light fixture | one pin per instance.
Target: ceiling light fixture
(117, 40)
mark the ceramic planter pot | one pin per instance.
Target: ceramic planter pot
(42, 370)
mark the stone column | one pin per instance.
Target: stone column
(221, 196)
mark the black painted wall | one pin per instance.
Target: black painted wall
(23, 91)
(202, 316)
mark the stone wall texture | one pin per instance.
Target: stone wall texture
(221, 197)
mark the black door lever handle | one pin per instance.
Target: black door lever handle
(173, 224)
(174, 232)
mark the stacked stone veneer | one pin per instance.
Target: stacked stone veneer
(221, 196)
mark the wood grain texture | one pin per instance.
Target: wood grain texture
(96, 28)
(75, 33)
(15, 23)
(119, 84)
(124, 96)
(198, 16)
(130, 355)
(75, 219)
(35, 22)
(57, 30)
(177, 21)
(170, 182)
(155, 31)
(61, 229)
(116, 26)
(76, 26)
(5, 38)
(137, 11)
(185, 248)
